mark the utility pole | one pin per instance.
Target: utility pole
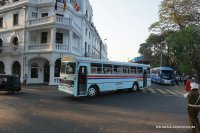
(161, 58)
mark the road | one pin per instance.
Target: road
(43, 109)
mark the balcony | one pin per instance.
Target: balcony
(39, 47)
(40, 21)
(10, 49)
(10, 4)
(47, 47)
(59, 20)
(61, 47)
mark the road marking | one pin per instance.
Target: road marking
(171, 92)
(161, 91)
(179, 92)
(152, 91)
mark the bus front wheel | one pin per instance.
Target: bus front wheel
(135, 87)
(92, 91)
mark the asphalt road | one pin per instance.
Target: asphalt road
(43, 109)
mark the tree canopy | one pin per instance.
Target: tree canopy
(177, 14)
(175, 36)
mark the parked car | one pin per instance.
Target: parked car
(10, 83)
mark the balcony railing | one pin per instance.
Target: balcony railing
(13, 50)
(39, 47)
(40, 21)
(62, 20)
(51, 19)
(46, 47)
(61, 47)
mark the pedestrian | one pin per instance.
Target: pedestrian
(194, 107)
(25, 78)
(187, 85)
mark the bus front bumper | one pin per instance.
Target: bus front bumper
(68, 90)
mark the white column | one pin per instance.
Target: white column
(53, 38)
(70, 40)
(51, 80)
(27, 41)
(27, 71)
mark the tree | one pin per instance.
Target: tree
(185, 44)
(176, 35)
(177, 14)
(156, 48)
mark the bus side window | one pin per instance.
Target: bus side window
(93, 70)
(107, 68)
(125, 69)
(96, 68)
(139, 70)
(133, 70)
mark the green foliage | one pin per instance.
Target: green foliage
(177, 14)
(176, 35)
(154, 46)
(185, 44)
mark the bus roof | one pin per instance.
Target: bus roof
(91, 60)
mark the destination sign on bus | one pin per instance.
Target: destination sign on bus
(68, 58)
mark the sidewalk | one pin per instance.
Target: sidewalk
(40, 87)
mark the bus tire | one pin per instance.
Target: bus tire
(93, 91)
(135, 87)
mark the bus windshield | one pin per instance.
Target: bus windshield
(167, 74)
(70, 68)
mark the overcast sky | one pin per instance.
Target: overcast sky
(124, 23)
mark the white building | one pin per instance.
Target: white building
(35, 34)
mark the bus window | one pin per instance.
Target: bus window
(118, 70)
(125, 69)
(96, 68)
(107, 69)
(139, 70)
(70, 69)
(93, 69)
(133, 70)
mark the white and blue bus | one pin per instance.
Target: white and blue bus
(88, 77)
(162, 75)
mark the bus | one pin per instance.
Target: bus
(89, 77)
(162, 75)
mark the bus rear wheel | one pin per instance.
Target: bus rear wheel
(135, 87)
(93, 91)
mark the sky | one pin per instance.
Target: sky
(124, 23)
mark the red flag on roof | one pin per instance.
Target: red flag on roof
(65, 5)
(76, 6)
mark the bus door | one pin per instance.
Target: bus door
(145, 78)
(82, 80)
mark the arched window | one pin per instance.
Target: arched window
(34, 70)
(16, 68)
(15, 41)
(2, 68)
(1, 42)
(57, 68)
